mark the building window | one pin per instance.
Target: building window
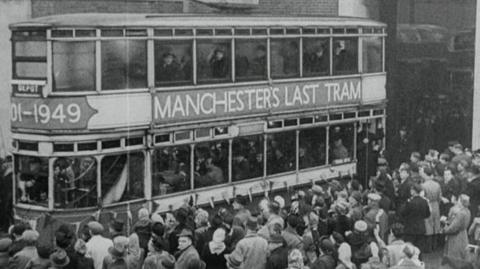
(31, 180)
(281, 152)
(170, 170)
(316, 57)
(122, 177)
(372, 54)
(211, 163)
(213, 61)
(284, 58)
(247, 157)
(345, 56)
(75, 182)
(124, 64)
(73, 66)
(312, 148)
(173, 63)
(250, 60)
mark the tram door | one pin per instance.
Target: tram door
(370, 137)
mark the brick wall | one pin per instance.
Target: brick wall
(282, 7)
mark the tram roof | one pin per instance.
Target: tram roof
(96, 20)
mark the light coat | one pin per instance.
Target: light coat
(97, 249)
(456, 232)
(253, 250)
(433, 193)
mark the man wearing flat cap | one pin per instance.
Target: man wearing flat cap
(97, 246)
(187, 251)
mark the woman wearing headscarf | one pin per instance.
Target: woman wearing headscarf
(213, 253)
(345, 257)
(135, 253)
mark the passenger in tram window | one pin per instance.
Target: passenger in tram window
(219, 64)
(318, 60)
(169, 70)
(256, 166)
(290, 58)
(343, 59)
(339, 151)
(64, 178)
(240, 166)
(241, 65)
(33, 186)
(213, 175)
(259, 64)
(305, 159)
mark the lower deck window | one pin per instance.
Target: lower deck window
(75, 182)
(122, 177)
(170, 170)
(211, 163)
(31, 180)
(341, 143)
(312, 148)
(281, 152)
(247, 157)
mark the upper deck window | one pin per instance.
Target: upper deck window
(345, 55)
(285, 60)
(124, 64)
(73, 66)
(316, 57)
(173, 63)
(250, 59)
(29, 55)
(213, 61)
(372, 54)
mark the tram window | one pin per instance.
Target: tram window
(173, 63)
(281, 152)
(341, 139)
(345, 56)
(122, 177)
(211, 163)
(250, 59)
(213, 61)
(31, 180)
(247, 157)
(316, 57)
(74, 66)
(284, 59)
(312, 148)
(75, 181)
(30, 70)
(31, 49)
(124, 64)
(372, 54)
(170, 170)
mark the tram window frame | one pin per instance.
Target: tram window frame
(279, 59)
(29, 65)
(319, 156)
(29, 191)
(210, 157)
(173, 173)
(250, 52)
(274, 165)
(350, 63)
(86, 65)
(129, 178)
(347, 141)
(245, 163)
(183, 75)
(311, 45)
(131, 54)
(205, 61)
(372, 63)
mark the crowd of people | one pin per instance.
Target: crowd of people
(426, 204)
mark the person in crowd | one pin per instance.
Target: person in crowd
(408, 261)
(451, 189)
(355, 206)
(186, 251)
(295, 260)
(251, 251)
(143, 228)
(213, 254)
(16, 232)
(29, 251)
(406, 183)
(115, 228)
(135, 254)
(395, 249)
(473, 189)
(219, 64)
(65, 239)
(180, 223)
(345, 257)
(168, 69)
(375, 215)
(201, 226)
(339, 220)
(433, 194)
(158, 257)
(359, 243)
(59, 259)
(278, 257)
(117, 258)
(5, 244)
(290, 234)
(43, 259)
(97, 246)
(270, 213)
(328, 256)
(413, 216)
(456, 229)
(241, 212)
(80, 251)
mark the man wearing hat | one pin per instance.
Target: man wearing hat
(117, 254)
(376, 216)
(168, 70)
(413, 216)
(252, 250)
(116, 228)
(59, 259)
(241, 213)
(187, 251)
(29, 251)
(358, 241)
(97, 246)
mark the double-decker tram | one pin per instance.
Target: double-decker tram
(114, 112)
